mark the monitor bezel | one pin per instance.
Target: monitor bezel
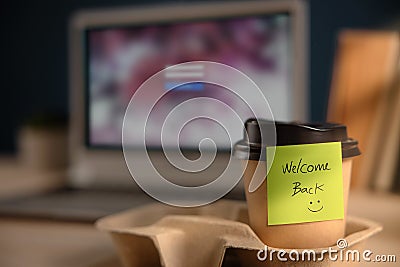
(111, 17)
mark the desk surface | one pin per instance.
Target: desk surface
(40, 243)
(57, 244)
(384, 209)
(51, 243)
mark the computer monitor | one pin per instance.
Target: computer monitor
(113, 51)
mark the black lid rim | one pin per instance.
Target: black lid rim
(252, 146)
(246, 151)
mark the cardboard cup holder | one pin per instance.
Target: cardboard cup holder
(210, 236)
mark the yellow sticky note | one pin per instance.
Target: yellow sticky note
(305, 183)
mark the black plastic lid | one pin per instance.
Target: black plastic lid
(257, 135)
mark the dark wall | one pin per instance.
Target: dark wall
(33, 47)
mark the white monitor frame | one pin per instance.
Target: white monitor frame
(105, 167)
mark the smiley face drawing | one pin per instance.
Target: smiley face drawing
(316, 207)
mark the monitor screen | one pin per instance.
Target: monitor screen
(119, 59)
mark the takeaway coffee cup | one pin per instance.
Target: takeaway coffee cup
(308, 189)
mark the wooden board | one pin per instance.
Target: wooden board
(364, 71)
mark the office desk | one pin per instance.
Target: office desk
(44, 243)
(385, 209)
(38, 243)
(53, 243)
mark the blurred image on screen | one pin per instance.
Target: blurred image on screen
(120, 59)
